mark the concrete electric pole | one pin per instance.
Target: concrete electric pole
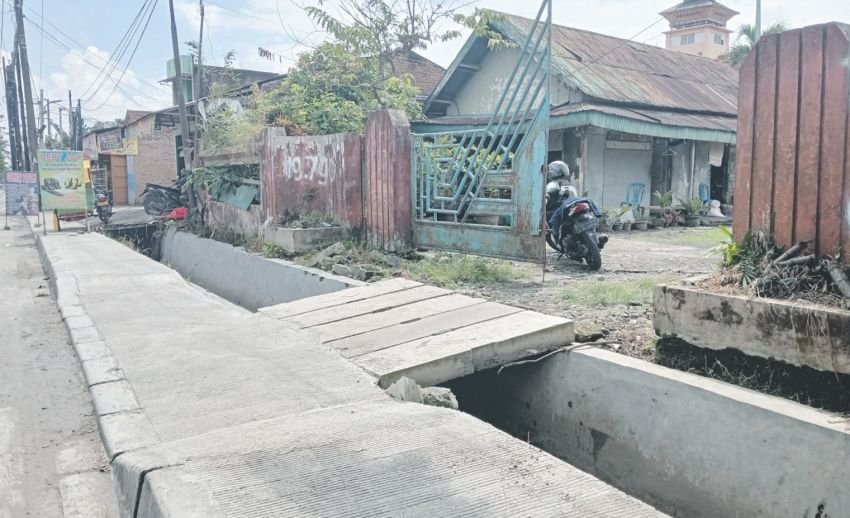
(26, 75)
(178, 89)
(758, 20)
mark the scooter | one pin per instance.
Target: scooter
(573, 221)
(103, 205)
(159, 200)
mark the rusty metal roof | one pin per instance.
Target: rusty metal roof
(617, 70)
(612, 70)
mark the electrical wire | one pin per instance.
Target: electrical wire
(132, 55)
(118, 55)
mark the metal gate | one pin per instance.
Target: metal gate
(481, 191)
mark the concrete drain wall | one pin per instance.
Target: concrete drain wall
(692, 446)
(246, 279)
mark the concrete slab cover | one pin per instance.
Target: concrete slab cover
(798, 334)
(338, 298)
(371, 305)
(458, 353)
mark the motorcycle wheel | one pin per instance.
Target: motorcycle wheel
(551, 242)
(593, 257)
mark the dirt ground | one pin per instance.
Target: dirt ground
(618, 303)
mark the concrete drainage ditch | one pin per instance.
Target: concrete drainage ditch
(689, 445)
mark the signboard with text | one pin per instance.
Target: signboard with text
(62, 180)
(21, 192)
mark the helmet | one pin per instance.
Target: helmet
(558, 169)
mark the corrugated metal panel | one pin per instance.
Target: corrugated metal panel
(654, 123)
(613, 69)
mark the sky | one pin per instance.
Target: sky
(79, 36)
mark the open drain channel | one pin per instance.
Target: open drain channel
(688, 445)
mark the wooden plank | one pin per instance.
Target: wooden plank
(404, 314)
(428, 326)
(452, 355)
(744, 150)
(338, 298)
(761, 208)
(808, 149)
(833, 141)
(371, 305)
(786, 137)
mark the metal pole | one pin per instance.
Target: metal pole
(41, 117)
(25, 72)
(22, 119)
(49, 124)
(70, 121)
(758, 20)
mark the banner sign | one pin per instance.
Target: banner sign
(109, 141)
(62, 180)
(129, 147)
(21, 192)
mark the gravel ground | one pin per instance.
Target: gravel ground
(636, 257)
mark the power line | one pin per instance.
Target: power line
(119, 50)
(132, 54)
(118, 55)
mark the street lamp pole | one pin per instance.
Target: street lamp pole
(758, 19)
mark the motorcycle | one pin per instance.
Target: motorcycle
(159, 200)
(573, 221)
(103, 205)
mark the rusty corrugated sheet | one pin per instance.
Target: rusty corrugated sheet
(317, 174)
(793, 174)
(613, 69)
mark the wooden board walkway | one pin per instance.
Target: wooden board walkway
(400, 328)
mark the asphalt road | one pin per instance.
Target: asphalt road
(51, 461)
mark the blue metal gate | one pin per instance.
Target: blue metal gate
(481, 191)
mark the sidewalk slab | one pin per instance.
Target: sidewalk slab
(227, 414)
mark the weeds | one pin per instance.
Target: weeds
(450, 270)
(614, 292)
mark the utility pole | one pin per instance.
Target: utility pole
(178, 86)
(61, 108)
(197, 92)
(11, 114)
(41, 117)
(49, 122)
(758, 20)
(22, 118)
(71, 135)
(25, 72)
(78, 144)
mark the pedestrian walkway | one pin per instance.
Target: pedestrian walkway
(207, 410)
(402, 328)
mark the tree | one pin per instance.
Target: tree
(745, 40)
(379, 31)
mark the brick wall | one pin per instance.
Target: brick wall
(156, 161)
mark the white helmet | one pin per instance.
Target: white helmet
(558, 169)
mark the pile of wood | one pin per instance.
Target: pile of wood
(794, 274)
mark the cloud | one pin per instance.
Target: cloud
(101, 99)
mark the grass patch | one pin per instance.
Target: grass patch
(614, 292)
(451, 270)
(696, 238)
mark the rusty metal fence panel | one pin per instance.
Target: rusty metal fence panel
(300, 176)
(481, 191)
(793, 166)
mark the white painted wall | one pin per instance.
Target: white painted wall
(610, 171)
(481, 92)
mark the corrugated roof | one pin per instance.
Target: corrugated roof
(426, 74)
(668, 118)
(617, 70)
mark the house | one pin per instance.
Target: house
(698, 27)
(425, 73)
(623, 113)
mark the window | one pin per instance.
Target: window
(718, 39)
(687, 39)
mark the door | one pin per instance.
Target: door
(118, 166)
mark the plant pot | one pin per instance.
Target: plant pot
(658, 222)
(693, 221)
(640, 225)
(616, 227)
(627, 227)
(604, 226)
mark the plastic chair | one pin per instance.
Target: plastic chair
(634, 194)
(704, 193)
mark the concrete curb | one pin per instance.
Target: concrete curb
(124, 426)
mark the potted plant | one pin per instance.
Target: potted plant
(665, 201)
(693, 210)
(617, 226)
(640, 224)
(606, 220)
(627, 226)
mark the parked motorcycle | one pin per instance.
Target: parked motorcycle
(573, 221)
(159, 200)
(103, 205)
